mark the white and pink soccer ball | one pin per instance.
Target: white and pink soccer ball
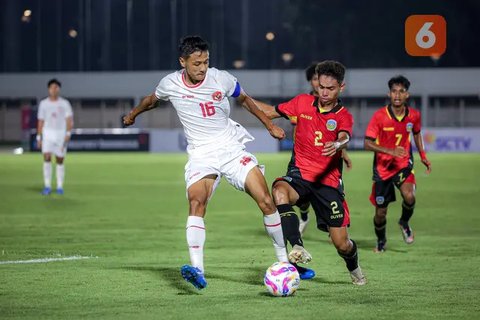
(282, 279)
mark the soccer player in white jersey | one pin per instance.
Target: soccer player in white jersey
(216, 147)
(55, 123)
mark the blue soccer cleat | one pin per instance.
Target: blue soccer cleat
(46, 191)
(305, 273)
(194, 276)
(60, 191)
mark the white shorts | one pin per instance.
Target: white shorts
(54, 147)
(233, 163)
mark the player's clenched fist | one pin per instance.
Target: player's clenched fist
(128, 120)
(277, 132)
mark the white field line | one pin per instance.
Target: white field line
(45, 260)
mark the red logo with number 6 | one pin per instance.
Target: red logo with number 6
(425, 35)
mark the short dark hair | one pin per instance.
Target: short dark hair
(331, 68)
(310, 71)
(191, 44)
(52, 81)
(401, 80)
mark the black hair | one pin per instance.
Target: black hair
(191, 44)
(310, 71)
(401, 80)
(331, 68)
(52, 81)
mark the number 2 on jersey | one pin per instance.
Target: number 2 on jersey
(318, 138)
(208, 109)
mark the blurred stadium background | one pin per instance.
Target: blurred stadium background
(110, 53)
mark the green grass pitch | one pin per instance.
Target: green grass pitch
(128, 212)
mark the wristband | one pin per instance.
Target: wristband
(337, 145)
(68, 133)
(423, 155)
(39, 137)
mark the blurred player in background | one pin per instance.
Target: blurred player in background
(216, 147)
(54, 128)
(314, 173)
(389, 136)
(312, 78)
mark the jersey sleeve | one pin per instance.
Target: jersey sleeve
(41, 111)
(162, 90)
(229, 83)
(417, 124)
(68, 109)
(289, 109)
(373, 130)
(346, 123)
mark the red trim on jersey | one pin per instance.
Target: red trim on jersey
(189, 85)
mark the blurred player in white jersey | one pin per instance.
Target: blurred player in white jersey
(55, 123)
(216, 147)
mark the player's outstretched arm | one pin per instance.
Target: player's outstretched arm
(417, 137)
(147, 103)
(371, 145)
(269, 110)
(248, 103)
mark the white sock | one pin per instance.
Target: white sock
(60, 175)
(273, 226)
(196, 240)
(47, 174)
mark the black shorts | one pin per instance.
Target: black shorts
(328, 203)
(383, 191)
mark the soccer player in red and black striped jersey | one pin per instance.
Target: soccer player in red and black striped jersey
(389, 136)
(314, 173)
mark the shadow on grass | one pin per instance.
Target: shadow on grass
(250, 276)
(368, 245)
(321, 280)
(171, 275)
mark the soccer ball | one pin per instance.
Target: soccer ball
(282, 279)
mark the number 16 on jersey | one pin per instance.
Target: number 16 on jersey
(208, 109)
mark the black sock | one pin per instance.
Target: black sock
(351, 258)
(304, 211)
(380, 230)
(407, 212)
(304, 215)
(290, 224)
(300, 269)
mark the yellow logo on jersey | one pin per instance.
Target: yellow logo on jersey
(388, 128)
(304, 116)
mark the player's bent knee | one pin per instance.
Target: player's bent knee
(266, 204)
(280, 194)
(409, 199)
(343, 247)
(197, 205)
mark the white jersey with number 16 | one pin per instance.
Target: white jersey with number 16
(203, 109)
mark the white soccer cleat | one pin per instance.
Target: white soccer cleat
(407, 234)
(358, 278)
(303, 225)
(299, 255)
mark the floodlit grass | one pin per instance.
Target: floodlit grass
(128, 212)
